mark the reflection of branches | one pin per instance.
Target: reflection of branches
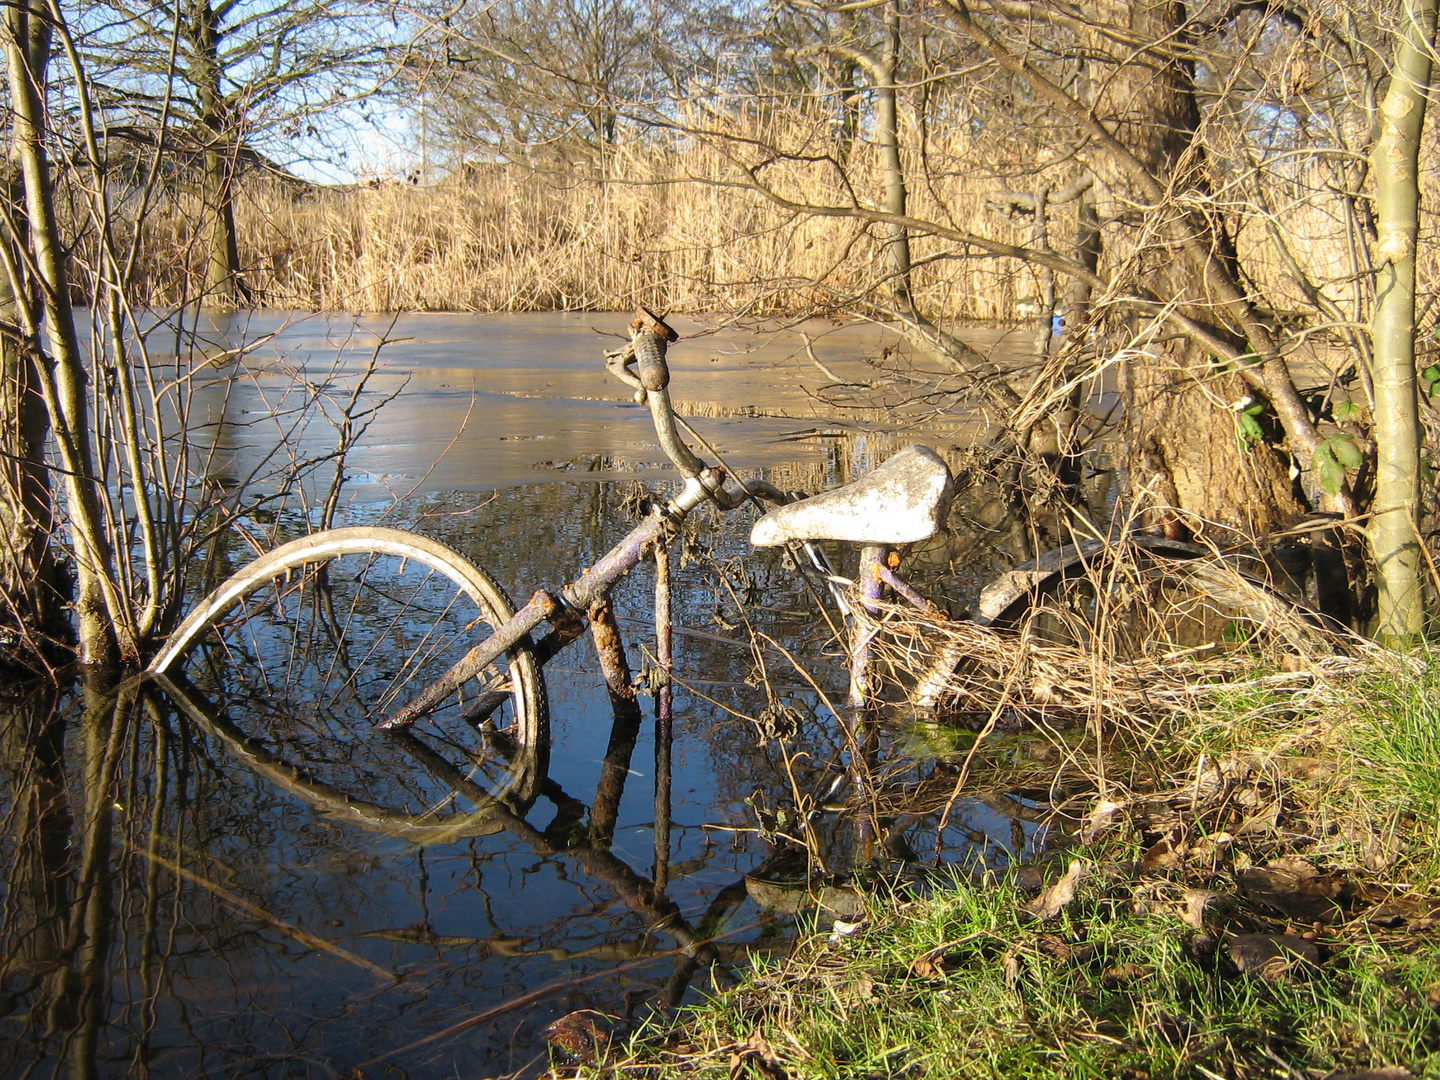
(255, 911)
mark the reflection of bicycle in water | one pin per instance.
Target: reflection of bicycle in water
(324, 651)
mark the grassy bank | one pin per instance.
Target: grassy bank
(1261, 906)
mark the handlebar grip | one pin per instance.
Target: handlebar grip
(650, 360)
(648, 336)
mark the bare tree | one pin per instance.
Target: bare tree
(218, 81)
(557, 79)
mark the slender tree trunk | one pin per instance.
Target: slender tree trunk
(29, 575)
(223, 286)
(30, 586)
(222, 263)
(887, 131)
(102, 616)
(1394, 539)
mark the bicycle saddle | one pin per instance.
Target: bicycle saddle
(902, 501)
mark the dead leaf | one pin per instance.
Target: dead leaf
(929, 965)
(1050, 902)
(583, 1036)
(1194, 914)
(1165, 854)
(1011, 968)
(1379, 852)
(862, 989)
(758, 1056)
(1272, 956)
(1209, 851)
(1303, 869)
(1293, 888)
(1121, 975)
(1408, 912)
(1057, 948)
(1100, 819)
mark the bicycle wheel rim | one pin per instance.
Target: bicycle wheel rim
(307, 649)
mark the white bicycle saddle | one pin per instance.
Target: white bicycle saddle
(900, 502)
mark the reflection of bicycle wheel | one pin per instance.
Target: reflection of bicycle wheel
(305, 650)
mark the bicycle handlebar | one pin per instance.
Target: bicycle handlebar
(649, 336)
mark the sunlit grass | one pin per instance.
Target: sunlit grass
(1105, 991)
(1119, 985)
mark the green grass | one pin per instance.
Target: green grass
(1138, 995)
(1396, 745)
(1118, 986)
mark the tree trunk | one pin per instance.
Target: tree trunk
(887, 133)
(1394, 539)
(100, 614)
(1184, 451)
(30, 583)
(224, 289)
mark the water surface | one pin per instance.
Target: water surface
(163, 900)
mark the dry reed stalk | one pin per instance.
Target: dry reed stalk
(1129, 638)
(670, 225)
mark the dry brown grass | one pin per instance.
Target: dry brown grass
(672, 225)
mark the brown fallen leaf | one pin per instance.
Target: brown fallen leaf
(1057, 948)
(1011, 967)
(1293, 888)
(583, 1036)
(1050, 902)
(758, 1056)
(862, 989)
(1166, 853)
(1100, 819)
(1121, 975)
(1272, 956)
(1194, 914)
(1209, 852)
(931, 964)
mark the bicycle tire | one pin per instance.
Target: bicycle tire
(304, 650)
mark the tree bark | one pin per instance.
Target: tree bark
(100, 613)
(887, 132)
(30, 585)
(1394, 539)
(1185, 454)
(223, 288)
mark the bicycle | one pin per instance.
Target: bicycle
(329, 636)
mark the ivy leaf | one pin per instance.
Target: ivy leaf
(1329, 472)
(1345, 410)
(1247, 429)
(1431, 378)
(1345, 451)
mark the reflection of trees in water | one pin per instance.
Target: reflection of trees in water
(114, 964)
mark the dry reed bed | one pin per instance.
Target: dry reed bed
(1123, 702)
(671, 225)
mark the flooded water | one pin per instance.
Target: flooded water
(180, 905)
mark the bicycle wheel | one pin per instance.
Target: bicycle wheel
(301, 653)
